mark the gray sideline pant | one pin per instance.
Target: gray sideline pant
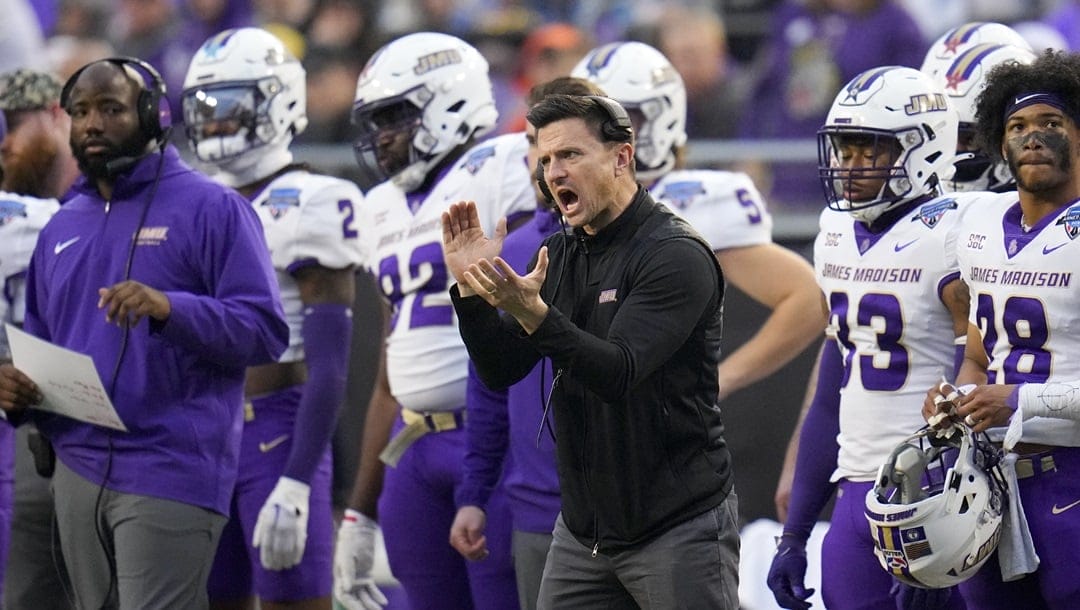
(162, 549)
(35, 577)
(530, 551)
(695, 564)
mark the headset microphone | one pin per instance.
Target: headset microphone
(116, 166)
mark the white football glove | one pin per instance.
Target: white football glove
(354, 588)
(281, 530)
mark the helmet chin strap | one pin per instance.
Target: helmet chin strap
(254, 165)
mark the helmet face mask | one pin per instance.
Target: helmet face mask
(225, 121)
(889, 107)
(433, 87)
(864, 168)
(935, 511)
(385, 132)
(644, 82)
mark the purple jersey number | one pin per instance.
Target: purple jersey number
(1026, 330)
(347, 230)
(419, 288)
(881, 314)
(753, 209)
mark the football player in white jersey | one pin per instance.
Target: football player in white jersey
(1018, 256)
(725, 207)
(421, 101)
(896, 306)
(21, 219)
(244, 100)
(959, 62)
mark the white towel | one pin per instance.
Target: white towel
(1016, 551)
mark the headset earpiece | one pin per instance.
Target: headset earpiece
(155, 114)
(617, 127)
(542, 183)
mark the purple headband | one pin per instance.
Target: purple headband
(1030, 98)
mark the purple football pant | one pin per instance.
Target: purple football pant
(238, 573)
(1052, 506)
(416, 509)
(851, 577)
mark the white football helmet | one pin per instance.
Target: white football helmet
(641, 79)
(935, 510)
(433, 89)
(888, 107)
(244, 99)
(962, 81)
(953, 43)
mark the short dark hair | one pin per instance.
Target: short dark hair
(1054, 72)
(588, 108)
(562, 85)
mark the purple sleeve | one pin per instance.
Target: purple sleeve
(818, 447)
(241, 323)
(487, 436)
(958, 360)
(327, 333)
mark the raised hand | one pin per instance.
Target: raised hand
(464, 241)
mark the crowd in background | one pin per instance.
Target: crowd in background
(754, 69)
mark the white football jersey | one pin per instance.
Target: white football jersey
(894, 332)
(1025, 300)
(21, 219)
(307, 219)
(426, 361)
(725, 207)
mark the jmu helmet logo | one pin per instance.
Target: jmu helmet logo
(211, 48)
(280, 201)
(477, 158)
(959, 36)
(681, 194)
(436, 60)
(963, 69)
(863, 87)
(601, 58)
(1071, 221)
(931, 213)
(10, 210)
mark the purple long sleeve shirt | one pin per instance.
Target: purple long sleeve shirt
(503, 425)
(179, 384)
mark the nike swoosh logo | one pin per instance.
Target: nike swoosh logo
(264, 447)
(1025, 98)
(1047, 250)
(61, 246)
(899, 247)
(1058, 510)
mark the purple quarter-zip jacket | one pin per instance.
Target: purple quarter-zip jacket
(178, 384)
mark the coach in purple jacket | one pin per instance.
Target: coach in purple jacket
(163, 277)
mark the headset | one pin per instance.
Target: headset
(617, 127)
(155, 114)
